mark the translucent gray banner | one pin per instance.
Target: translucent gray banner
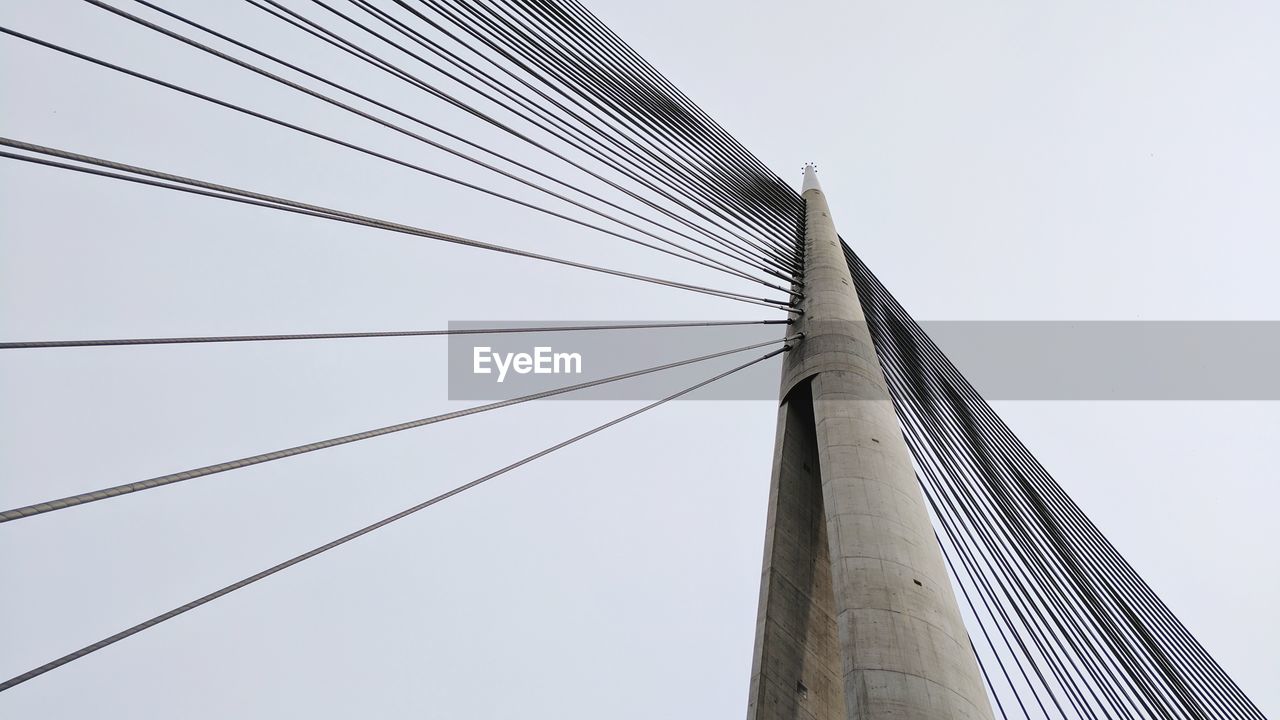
(1005, 360)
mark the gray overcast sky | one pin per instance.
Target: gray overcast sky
(1090, 160)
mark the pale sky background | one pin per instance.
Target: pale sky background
(1090, 160)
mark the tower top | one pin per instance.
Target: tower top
(810, 179)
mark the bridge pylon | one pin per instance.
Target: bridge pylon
(857, 619)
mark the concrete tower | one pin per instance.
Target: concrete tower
(857, 617)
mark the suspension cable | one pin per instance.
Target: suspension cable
(224, 192)
(171, 478)
(94, 647)
(397, 333)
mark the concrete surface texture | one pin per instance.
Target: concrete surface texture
(857, 617)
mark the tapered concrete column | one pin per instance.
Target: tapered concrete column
(857, 616)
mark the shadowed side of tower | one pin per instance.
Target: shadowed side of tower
(857, 617)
